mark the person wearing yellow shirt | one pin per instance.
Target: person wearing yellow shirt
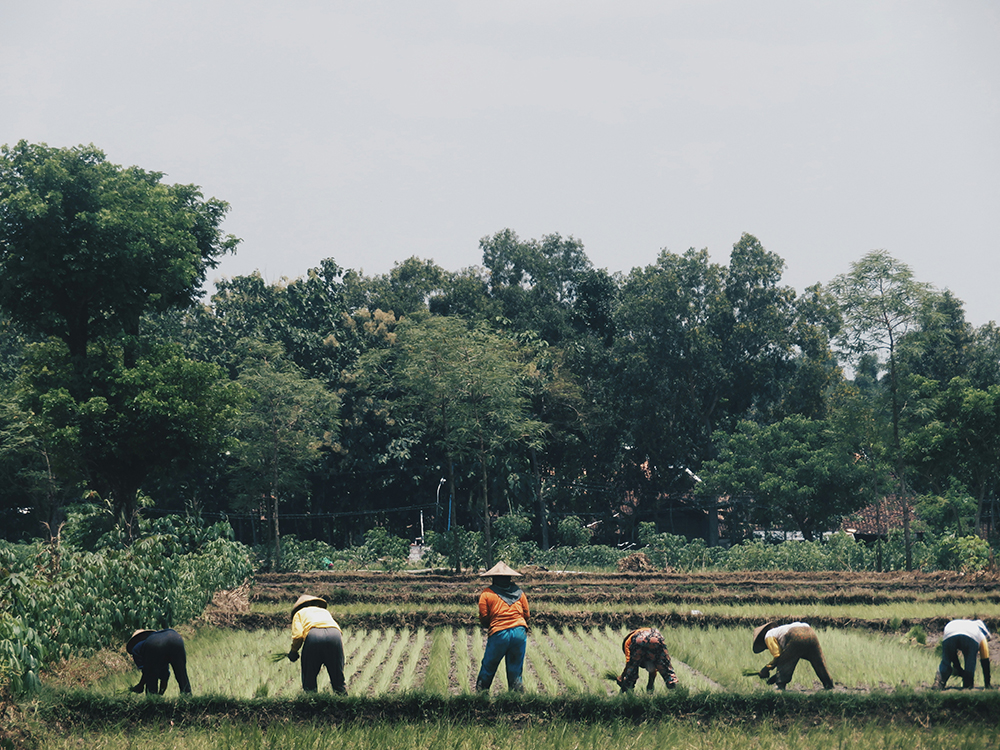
(318, 636)
(967, 637)
(787, 644)
(503, 612)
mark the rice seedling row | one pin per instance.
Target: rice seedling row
(559, 661)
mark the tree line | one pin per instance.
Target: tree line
(532, 385)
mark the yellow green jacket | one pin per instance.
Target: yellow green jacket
(305, 620)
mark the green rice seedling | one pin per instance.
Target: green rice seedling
(407, 679)
(870, 661)
(399, 646)
(561, 658)
(541, 671)
(362, 682)
(477, 647)
(557, 735)
(721, 654)
(438, 663)
(462, 661)
(593, 654)
(356, 651)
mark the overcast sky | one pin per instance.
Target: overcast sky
(369, 132)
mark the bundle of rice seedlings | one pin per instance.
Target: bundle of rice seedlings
(610, 674)
(277, 656)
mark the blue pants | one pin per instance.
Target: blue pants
(951, 647)
(510, 646)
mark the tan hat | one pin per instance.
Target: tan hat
(500, 569)
(138, 635)
(308, 600)
(758, 636)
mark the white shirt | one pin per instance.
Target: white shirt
(975, 629)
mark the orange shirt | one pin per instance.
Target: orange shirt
(497, 615)
(627, 643)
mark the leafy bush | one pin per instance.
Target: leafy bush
(391, 552)
(458, 544)
(572, 533)
(512, 527)
(63, 601)
(969, 554)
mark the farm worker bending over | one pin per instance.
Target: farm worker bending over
(318, 635)
(965, 637)
(154, 652)
(503, 610)
(788, 644)
(645, 648)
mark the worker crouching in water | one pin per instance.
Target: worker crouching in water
(644, 648)
(788, 644)
(503, 611)
(966, 637)
(318, 635)
(155, 652)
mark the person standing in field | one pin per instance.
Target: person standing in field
(644, 648)
(155, 652)
(788, 644)
(503, 612)
(319, 637)
(966, 637)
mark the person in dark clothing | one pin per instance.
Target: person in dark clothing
(788, 644)
(155, 652)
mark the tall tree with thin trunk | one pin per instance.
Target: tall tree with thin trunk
(880, 301)
(467, 386)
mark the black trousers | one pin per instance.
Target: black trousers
(323, 647)
(161, 651)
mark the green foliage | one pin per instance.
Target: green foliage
(512, 527)
(674, 551)
(381, 547)
(968, 554)
(458, 544)
(65, 601)
(87, 246)
(572, 533)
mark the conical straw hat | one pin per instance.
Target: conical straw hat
(308, 600)
(758, 636)
(500, 569)
(138, 635)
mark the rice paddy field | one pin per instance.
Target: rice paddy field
(413, 650)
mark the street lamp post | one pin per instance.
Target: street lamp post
(437, 504)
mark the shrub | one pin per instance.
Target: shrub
(63, 601)
(968, 554)
(572, 533)
(512, 527)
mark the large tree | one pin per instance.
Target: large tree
(880, 301)
(161, 413)
(465, 389)
(87, 246)
(282, 431)
(797, 470)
